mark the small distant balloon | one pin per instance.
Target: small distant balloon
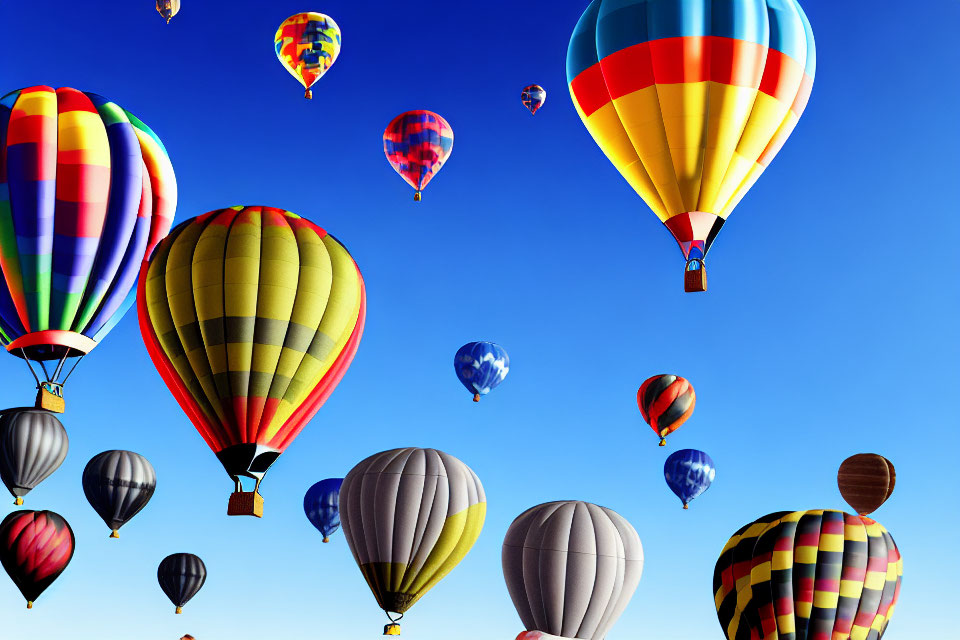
(181, 575)
(666, 401)
(533, 97)
(33, 444)
(35, 548)
(417, 144)
(168, 8)
(322, 506)
(688, 473)
(118, 485)
(481, 367)
(307, 45)
(866, 480)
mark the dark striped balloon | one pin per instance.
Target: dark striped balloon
(118, 485)
(33, 444)
(35, 548)
(180, 576)
(807, 574)
(666, 401)
(865, 481)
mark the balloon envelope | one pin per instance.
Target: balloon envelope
(866, 480)
(533, 97)
(666, 401)
(35, 548)
(808, 574)
(307, 45)
(571, 568)
(691, 101)
(417, 144)
(322, 506)
(168, 8)
(86, 193)
(33, 444)
(481, 367)
(688, 473)
(181, 575)
(410, 516)
(253, 354)
(118, 484)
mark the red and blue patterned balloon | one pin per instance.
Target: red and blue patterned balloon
(481, 366)
(417, 144)
(533, 97)
(689, 473)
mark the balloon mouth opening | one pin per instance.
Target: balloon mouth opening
(51, 344)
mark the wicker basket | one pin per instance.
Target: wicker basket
(245, 503)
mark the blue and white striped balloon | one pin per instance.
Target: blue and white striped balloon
(481, 366)
(688, 473)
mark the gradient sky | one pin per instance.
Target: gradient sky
(828, 328)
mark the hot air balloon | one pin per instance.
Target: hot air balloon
(33, 444)
(808, 574)
(666, 401)
(168, 8)
(307, 45)
(322, 506)
(181, 575)
(251, 315)
(118, 485)
(688, 473)
(571, 567)
(533, 97)
(86, 192)
(480, 367)
(417, 144)
(866, 480)
(690, 101)
(35, 548)
(409, 516)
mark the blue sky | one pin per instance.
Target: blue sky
(828, 328)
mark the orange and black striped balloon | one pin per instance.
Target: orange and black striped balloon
(666, 401)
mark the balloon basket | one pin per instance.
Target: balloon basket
(50, 397)
(416, 197)
(392, 629)
(245, 503)
(695, 276)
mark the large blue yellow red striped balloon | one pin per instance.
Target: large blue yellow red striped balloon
(252, 316)
(86, 193)
(808, 574)
(417, 144)
(307, 45)
(691, 99)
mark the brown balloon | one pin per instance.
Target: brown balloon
(866, 480)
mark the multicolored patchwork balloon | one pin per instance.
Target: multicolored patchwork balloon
(307, 44)
(666, 401)
(168, 8)
(691, 100)
(35, 548)
(533, 97)
(481, 366)
(808, 574)
(86, 193)
(417, 144)
(253, 353)
(689, 473)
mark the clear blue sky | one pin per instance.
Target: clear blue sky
(829, 327)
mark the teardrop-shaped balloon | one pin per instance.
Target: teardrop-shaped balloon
(481, 367)
(33, 444)
(118, 484)
(253, 354)
(571, 568)
(666, 401)
(307, 45)
(168, 8)
(866, 480)
(691, 101)
(409, 516)
(689, 473)
(35, 548)
(417, 144)
(322, 506)
(808, 574)
(533, 97)
(181, 575)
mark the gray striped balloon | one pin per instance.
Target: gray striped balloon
(118, 484)
(33, 444)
